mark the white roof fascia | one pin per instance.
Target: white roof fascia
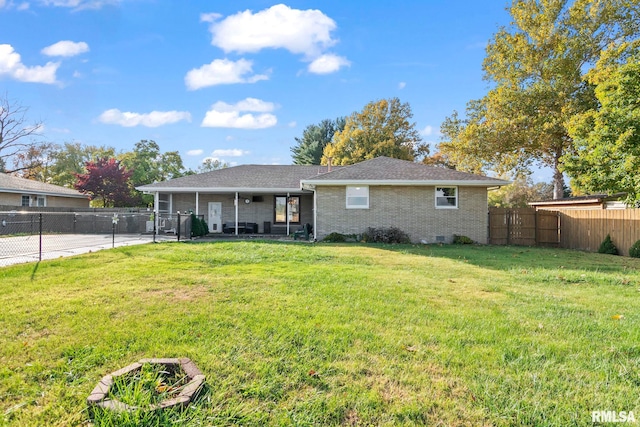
(217, 190)
(461, 183)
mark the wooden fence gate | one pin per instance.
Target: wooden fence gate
(523, 226)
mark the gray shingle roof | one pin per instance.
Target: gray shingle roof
(14, 184)
(290, 177)
(243, 177)
(383, 169)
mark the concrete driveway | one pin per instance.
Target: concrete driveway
(21, 249)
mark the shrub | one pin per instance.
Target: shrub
(634, 250)
(198, 226)
(607, 247)
(335, 238)
(385, 235)
(461, 240)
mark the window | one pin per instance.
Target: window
(26, 201)
(358, 197)
(42, 201)
(292, 206)
(447, 197)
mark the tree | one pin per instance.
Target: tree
(35, 162)
(106, 180)
(70, 159)
(536, 68)
(607, 139)
(315, 138)
(149, 165)
(519, 193)
(15, 133)
(382, 128)
(210, 164)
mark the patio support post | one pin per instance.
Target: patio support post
(235, 202)
(287, 210)
(156, 209)
(197, 202)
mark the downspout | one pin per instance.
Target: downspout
(235, 202)
(170, 205)
(315, 215)
(197, 202)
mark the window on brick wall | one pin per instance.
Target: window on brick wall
(447, 197)
(358, 197)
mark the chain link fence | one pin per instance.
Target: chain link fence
(34, 236)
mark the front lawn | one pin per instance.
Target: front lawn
(328, 334)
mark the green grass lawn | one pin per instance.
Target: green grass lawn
(328, 334)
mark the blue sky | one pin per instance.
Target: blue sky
(236, 80)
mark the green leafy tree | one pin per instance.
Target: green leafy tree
(382, 128)
(210, 164)
(536, 69)
(70, 159)
(148, 165)
(519, 193)
(309, 148)
(607, 139)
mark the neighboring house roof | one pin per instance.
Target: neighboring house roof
(253, 178)
(389, 171)
(14, 184)
(591, 199)
(283, 178)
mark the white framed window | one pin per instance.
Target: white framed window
(447, 197)
(26, 201)
(42, 201)
(358, 197)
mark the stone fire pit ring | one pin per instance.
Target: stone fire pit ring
(98, 396)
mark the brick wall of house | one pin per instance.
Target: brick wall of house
(15, 199)
(409, 208)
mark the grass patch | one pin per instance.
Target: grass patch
(329, 334)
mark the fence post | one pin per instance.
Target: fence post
(508, 227)
(40, 238)
(178, 227)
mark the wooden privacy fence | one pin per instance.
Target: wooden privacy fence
(586, 229)
(571, 228)
(524, 226)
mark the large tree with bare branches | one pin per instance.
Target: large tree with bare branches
(17, 134)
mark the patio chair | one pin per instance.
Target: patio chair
(304, 231)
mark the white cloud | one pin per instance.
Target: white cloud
(226, 115)
(222, 71)
(2, 3)
(306, 32)
(152, 119)
(427, 131)
(66, 48)
(209, 17)
(197, 152)
(402, 85)
(233, 152)
(12, 66)
(80, 4)
(328, 63)
(293, 124)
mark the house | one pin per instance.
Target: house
(428, 203)
(593, 201)
(18, 192)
